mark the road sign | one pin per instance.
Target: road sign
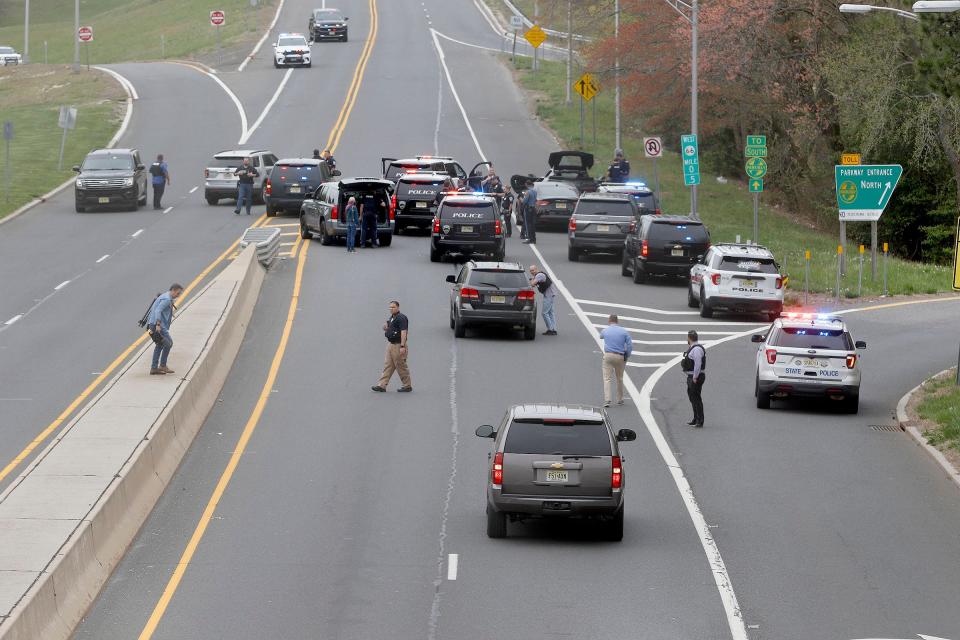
(516, 23)
(756, 141)
(756, 185)
(956, 264)
(653, 147)
(218, 18)
(756, 167)
(85, 34)
(849, 158)
(587, 87)
(68, 118)
(755, 152)
(690, 152)
(863, 191)
(535, 36)
(8, 130)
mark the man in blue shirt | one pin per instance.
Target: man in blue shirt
(617, 347)
(158, 324)
(160, 178)
(530, 214)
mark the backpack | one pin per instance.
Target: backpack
(543, 286)
(156, 170)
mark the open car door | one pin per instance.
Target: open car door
(384, 163)
(477, 174)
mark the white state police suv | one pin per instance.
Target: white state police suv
(291, 49)
(808, 355)
(737, 278)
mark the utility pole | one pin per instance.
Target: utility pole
(616, 74)
(76, 38)
(569, 48)
(26, 31)
(694, 19)
(536, 20)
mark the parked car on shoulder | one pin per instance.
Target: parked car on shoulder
(327, 24)
(111, 178)
(290, 181)
(9, 56)
(600, 224)
(737, 278)
(220, 180)
(664, 245)
(322, 213)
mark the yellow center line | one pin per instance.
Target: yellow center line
(119, 360)
(187, 556)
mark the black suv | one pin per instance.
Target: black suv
(111, 177)
(416, 198)
(667, 245)
(468, 224)
(492, 293)
(291, 181)
(600, 224)
(323, 211)
(642, 194)
(327, 24)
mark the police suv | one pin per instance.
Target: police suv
(808, 355)
(468, 224)
(737, 278)
(290, 49)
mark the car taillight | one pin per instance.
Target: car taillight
(542, 203)
(267, 187)
(392, 213)
(393, 201)
(851, 361)
(333, 212)
(644, 249)
(497, 227)
(779, 283)
(526, 294)
(715, 279)
(771, 356)
(206, 173)
(496, 472)
(616, 474)
(436, 225)
(573, 224)
(633, 228)
(659, 213)
(469, 293)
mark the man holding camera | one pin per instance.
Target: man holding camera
(158, 324)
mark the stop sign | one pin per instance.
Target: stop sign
(85, 34)
(217, 17)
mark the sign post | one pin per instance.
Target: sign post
(863, 192)
(806, 276)
(7, 137)
(885, 247)
(67, 121)
(653, 149)
(85, 35)
(217, 19)
(516, 23)
(588, 88)
(756, 168)
(690, 152)
(536, 37)
(956, 282)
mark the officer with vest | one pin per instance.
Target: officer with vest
(160, 178)
(694, 364)
(619, 169)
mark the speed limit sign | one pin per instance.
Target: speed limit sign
(652, 147)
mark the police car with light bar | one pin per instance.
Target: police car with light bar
(808, 355)
(741, 278)
(291, 49)
(641, 193)
(468, 224)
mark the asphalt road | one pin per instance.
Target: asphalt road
(341, 517)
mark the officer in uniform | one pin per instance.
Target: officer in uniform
(694, 364)
(395, 331)
(619, 169)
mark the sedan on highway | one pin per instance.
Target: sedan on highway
(555, 201)
(492, 293)
(555, 460)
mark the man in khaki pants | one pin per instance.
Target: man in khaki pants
(395, 331)
(617, 347)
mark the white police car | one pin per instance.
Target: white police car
(291, 49)
(807, 355)
(741, 278)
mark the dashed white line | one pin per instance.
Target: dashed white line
(453, 564)
(103, 257)
(168, 210)
(138, 232)
(194, 189)
(61, 285)
(13, 319)
(266, 109)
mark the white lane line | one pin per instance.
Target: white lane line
(103, 257)
(132, 95)
(642, 400)
(669, 333)
(266, 109)
(475, 46)
(598, 303)
(647, 365)
(256, 48)
(136, 233)
(456, 96)
(686, 323)
(453, 564)
(194, 189)
(13, 319)
(127, 85)
(230, 94)
(168, 210)
(61, 285)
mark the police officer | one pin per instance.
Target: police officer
(368, 221)
(619, 169)
(160, 178)
(329, 159)
(506, 207)
(395, 329)
(694, 364)
(245, 175)
(530, 213)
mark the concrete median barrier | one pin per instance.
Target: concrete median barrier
(67, 520)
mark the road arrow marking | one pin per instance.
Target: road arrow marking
(886, 188)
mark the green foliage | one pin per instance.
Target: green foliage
(941, 405)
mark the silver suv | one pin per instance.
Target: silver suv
(220, 181)
(553, 460)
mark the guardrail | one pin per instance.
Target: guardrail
(267, 242)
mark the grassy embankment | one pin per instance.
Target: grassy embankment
(30, 98)
(941, 405)
(727, 209)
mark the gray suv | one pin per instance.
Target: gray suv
(220, 180)
(552, 460)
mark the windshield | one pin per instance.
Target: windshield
(292, 42)
(558, 437)
(812, 338)
(499, 279)
(677, 232)
(394, 171)
(108, 163)
(749, 265)
(328, 16)
(232, 163)
(607, 207)
(7, 50)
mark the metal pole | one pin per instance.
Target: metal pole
(44, 52)
(7, 192)
(581, 122)
(63, 142)
(694, 19)
(839, 263)
(958, 368)
(756, 218)
(513, 56)
(536, 20)
(860, 275)
(885, 293)
(616, 76)
(86, 49)
(570, 56)
(843, 243)
(806, 276)
(76, 39)
(26, 31)
(656, 180)
(873, 250)
(219, 51)
(163, 47)
(594, 102)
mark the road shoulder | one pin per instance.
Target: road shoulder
(921, 429)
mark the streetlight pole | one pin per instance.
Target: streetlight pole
(694, 19)
(76, 39)
(616, 74)
(26, 31)
(569, 48)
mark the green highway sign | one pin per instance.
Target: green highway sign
(756, 185)
(756, 141)
(755, 152)
(690, 152)
(863, 191)
(690, 179)
(756, 167)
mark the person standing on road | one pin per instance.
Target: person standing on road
(158, 323)
(544, 285)
(506, 208)
(245, 175)
(617, 347)
(329, 159)
(395, 330)
(352, 217)
(530, 214)
(160, 178)
(316, 154)
(368, 221)
(694, 364)
(619, 169)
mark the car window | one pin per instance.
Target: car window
(645, 201)
(418, 187)
(499, 278)
(328, 15)
(395, 170)
(479, 211)
(227, 161)
(609, 207)
(748, 264)
(6, 50)
(296, 172)
(292, 42)
(672, 231)
(558, 437)
(269, 160)
(107, 162)
(812, 338)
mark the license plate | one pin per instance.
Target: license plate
(104, 200)
(557, 476)
(421, 205)
(295, 188)
(603, 228)
(466, 229)
(676, 252)
(498, 299)
(561, 205)
(749, 283)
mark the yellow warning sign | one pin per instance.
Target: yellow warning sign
(535, 36)
(850, 158)
(587, 87)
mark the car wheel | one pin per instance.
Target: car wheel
(638, 275)
(851, 404)
(615, 527)
(345, 37)
(276, 65)
(385, 240)
(530, 332)
(304, 232)
(452, 323)
(271, 211)
(435, 255)
(325, 239)
(143, 200)
(691, 301)
(308, 65)
(625, 265)
(763, 399)
(212, 201)
(459, 328)
(79, 209)
(496, 523)
(573, 255)
(706, 311)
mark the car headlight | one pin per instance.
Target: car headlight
(128, 182)
(79, 183)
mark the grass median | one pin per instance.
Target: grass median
(939, 407)
(30, 98)
(725, 205)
